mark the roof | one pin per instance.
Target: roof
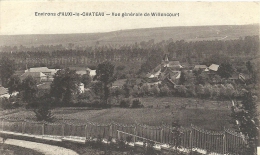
(39, 69)
(19, 73)
(82, 72)
(3, 90)
(175, 74)
(92, 72)
(165, 58)
(33, 74)
(53, 71)
(213, 67)
(200, 67)
(172, 64)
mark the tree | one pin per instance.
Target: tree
(42, 106)
(225, 70)
(86, 79)
(155, 90)
(7, 69)
(182, 90)
(105, 74)
(164, 91)
(245, 119)
(14, 84)
(151, 63)
(65, 86)
(29, 89)
(43, 113)
(249, 67)
(182, 78)
(145, 89)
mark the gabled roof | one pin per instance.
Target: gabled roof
(200, 67)
(33, 74)
(82, 72)
(213, 67)
(174, 63)
(39, 69)
(3, 90)
(53, 71)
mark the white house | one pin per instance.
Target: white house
(92, 73)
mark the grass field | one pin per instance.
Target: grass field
(208, 114)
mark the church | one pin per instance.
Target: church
(169, 71)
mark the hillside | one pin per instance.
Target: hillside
(191, 33)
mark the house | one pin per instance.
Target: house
(201, 67)
(238, 77)
(54, 71)
(167, 70)
(81, 72)
(91, 72)
(213, 67)
(48, 72)
(38, 76)
(43, 70)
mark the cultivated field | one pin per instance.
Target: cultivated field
(211, 115)
(192, 33)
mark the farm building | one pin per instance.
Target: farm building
(48, 72)
(201, 67)
(92, 73)
(213, 67)
(38, 76)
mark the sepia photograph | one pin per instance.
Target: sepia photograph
(129, 77)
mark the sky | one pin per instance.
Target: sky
(19, 17)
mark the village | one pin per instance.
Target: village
(129, 78)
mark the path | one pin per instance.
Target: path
(40, 147)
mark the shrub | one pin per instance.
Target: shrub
(43, 113)
(125, 103)
(5, 103)
(121, 143)
(137, 104)
(129, 139)
(164, 91)
(149, 150)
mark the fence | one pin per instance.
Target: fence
(193, 137)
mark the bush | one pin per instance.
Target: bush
(43, 113)
(5, 103)
(164, 91)
(125, 103)
(137, 104)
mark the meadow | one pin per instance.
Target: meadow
(208, 114)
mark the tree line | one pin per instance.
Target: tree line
(190, 52)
